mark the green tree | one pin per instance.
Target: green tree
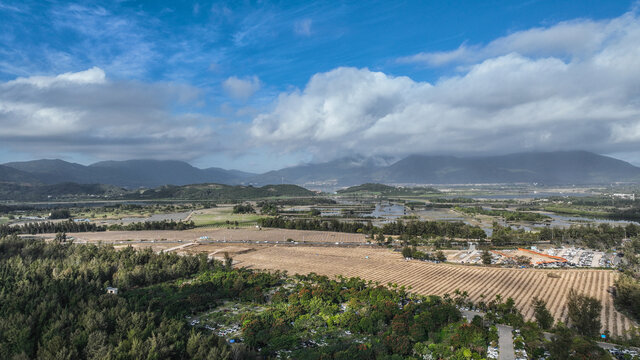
(486, 257)
(541, 313)
(584, 313)
(228, 261)
(440, 256)
(561, 341)
(61, 237)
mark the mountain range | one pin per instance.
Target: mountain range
(565, 167)
(130, 173)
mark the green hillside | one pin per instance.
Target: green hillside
(220, 192)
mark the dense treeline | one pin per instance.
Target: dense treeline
(505, 214)
(411, 228)
(627, 286)
(595, 201)
(5, 209)
(60, 214)
(154, 225)
(413, 253)
(601, 236)
(70, 226)
(599, 207)
(450, 229)
(632, 214)
(243, 209)
(221, 192)
(44, 227)
(316, 224)
(268, 207)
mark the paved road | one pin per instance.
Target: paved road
(470, 314)
(505, 343)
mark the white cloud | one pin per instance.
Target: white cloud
(302, 27)
(85, 112)
(583, 96)
(567, 40)
(94, 75)
(241, 89)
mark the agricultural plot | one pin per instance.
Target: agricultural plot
(384, 266)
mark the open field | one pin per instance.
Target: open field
(218, 217)
(217, 234)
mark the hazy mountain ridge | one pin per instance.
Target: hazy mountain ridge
(11, 175)
(561, 167)
(129, 173)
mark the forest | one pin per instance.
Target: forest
(71, 226)
(54, 305)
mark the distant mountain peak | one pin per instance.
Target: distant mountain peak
(555, 167)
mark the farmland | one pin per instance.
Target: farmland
(384, 266)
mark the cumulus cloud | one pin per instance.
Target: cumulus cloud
(241, 89)
(85, 112)
(556, 95)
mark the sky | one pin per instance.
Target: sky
(261, 85)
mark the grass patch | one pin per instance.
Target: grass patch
(575, 211)
(222, 217)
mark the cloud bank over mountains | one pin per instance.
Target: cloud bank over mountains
(568, 86)
(572, 85)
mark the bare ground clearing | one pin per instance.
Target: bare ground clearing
(243, 234)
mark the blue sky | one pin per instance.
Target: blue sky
(262, 85)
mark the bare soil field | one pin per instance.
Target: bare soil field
(157, 247)
(385, 266)
(243, 234)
